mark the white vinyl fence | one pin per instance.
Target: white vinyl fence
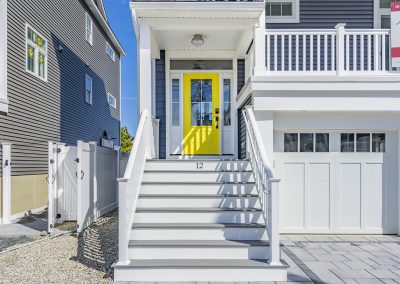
(82, 182)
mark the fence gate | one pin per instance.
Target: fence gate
(86, 184)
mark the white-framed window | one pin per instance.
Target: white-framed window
(282, 11)
(88, 89)
(112, 101)
(36, 53)
(227, 102)
(306, 142)
(175, 101)
(89, 29)
(110, 51)
(363, 142)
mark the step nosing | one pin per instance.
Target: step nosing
(197, 226)
(200, 183)
(198, 195)
(194, 243)
(197, 171)
(183, 209)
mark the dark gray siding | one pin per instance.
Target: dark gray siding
(161, 103)
(56, 110)
(326, 14)
(242, 141)
(240, 74)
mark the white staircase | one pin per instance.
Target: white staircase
(196, 224)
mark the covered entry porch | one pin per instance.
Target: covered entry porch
(192, 64)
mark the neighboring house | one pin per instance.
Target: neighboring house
(303, 88)
(60, 81)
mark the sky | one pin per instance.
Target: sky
(120, 20)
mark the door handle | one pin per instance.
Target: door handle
(217, 120)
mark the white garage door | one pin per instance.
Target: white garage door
(331, 192)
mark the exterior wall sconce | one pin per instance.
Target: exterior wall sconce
(197, 40)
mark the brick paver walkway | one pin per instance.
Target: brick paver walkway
(342, 259)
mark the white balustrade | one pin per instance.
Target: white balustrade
(337, 51)
(266, 183)
(144, 147)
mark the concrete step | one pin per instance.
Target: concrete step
(197, 215)
(175, 270)
(198, 176)
(196, 231)
(197, 249)
(197, 165)
(199, 201)
(206, 188)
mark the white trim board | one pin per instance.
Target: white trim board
(3, 56)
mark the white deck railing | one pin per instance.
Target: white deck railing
(267, 185)
(144, 147)
(337, 51)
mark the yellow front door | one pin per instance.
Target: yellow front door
(201, 114)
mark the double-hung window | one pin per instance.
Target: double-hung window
(88, 89)
(36, 54)
(110, 51)
(89, 29)
(112, 101)
(282, 11)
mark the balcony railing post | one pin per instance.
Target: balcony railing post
(123, 222)
(259, 48)
(340, 49)
(274, 246)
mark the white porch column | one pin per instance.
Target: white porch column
(6, 182)
(144, 68)
(340, 50)
(259, 47)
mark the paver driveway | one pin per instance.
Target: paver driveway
(342, 259)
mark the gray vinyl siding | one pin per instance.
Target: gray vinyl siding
(242, 136)
(56, 110)
(161, 103)
(326, 14)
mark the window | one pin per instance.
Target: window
(89, 29)
(111, 100)
(88, 90)
(282, 11)
(291, 142)
(36, 54)
(383, 14)
(227, 102)
(363, 142)
(175, 102)
(386, 4)
(306, 142)
(110, 51)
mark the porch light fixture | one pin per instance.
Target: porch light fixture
(197, 40)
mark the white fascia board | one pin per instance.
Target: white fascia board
(104, 24)
(200, 6)
(326, 104)
(325, 83)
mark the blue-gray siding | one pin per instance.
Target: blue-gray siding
(161, 103)
(326, 14)
(56, 110)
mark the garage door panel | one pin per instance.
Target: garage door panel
(294, 195)
(373, 196)
(319, 215)
(350, 196)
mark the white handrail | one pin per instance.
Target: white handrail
(266, 183)
(144, 147)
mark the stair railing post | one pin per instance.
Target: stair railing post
(274, 246)
(123, 222)
(340, 49)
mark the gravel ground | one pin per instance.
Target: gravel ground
(67, 258)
